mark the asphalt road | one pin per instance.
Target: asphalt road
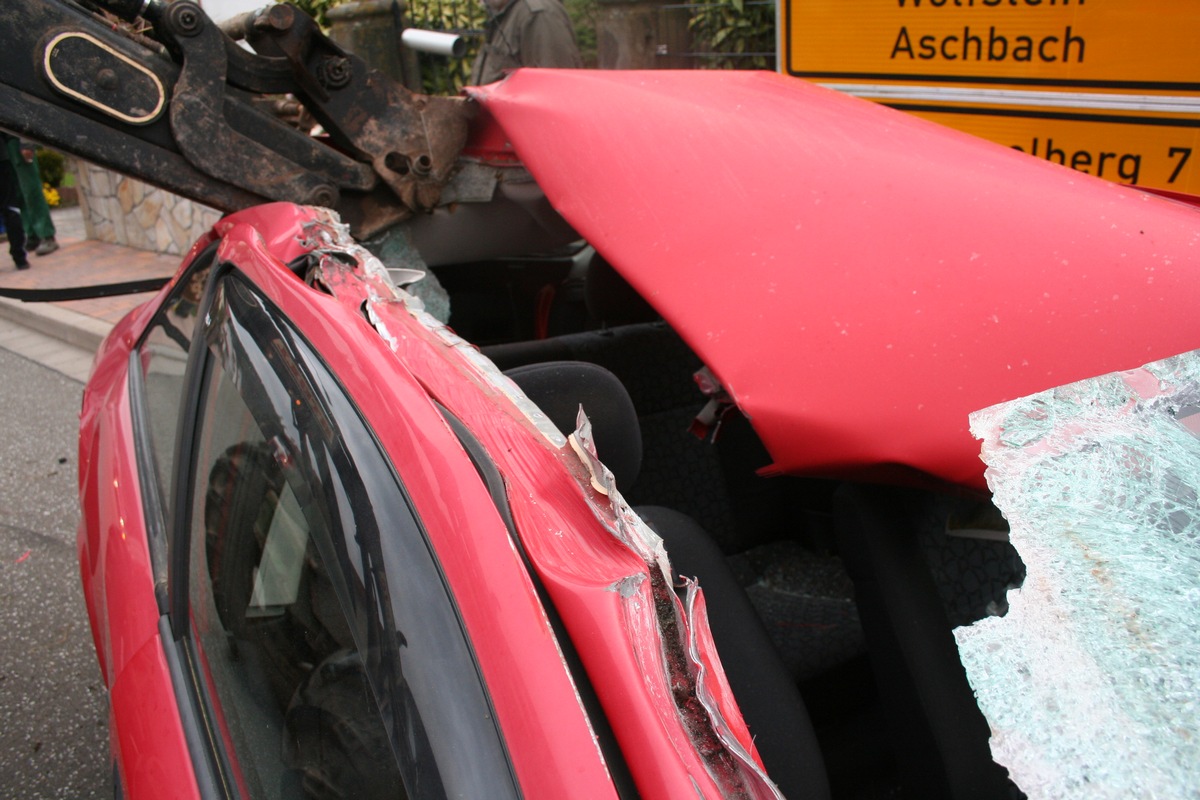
(53, 706)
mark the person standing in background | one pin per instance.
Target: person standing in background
(39, 228)
(525, 33)
(10, 205)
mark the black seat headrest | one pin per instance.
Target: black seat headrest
(560, 387)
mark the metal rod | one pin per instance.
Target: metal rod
(441, 44)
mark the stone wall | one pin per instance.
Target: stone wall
(643, 34)
(126, 211)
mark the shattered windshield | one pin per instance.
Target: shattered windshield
(1091, 681)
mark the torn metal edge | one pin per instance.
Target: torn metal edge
(331, 241)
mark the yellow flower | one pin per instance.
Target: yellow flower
(52, 198)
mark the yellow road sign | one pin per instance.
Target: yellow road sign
(1157, 156)
(1109, 87)
(1149, 45)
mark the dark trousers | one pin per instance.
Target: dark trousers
(10, 208)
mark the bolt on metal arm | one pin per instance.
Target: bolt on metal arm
(177, 111)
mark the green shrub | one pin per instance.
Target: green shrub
(583, 17)
(52, 165)
(441, 75)
(737, 34)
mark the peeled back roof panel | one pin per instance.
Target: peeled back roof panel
(860, 280)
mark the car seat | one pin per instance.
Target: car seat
(769, 700)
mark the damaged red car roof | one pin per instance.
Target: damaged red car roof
(860, 280)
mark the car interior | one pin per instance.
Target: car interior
(832, 602)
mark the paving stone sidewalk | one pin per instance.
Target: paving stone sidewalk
(65, 335)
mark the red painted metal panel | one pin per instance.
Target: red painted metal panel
(118, 581)
(150, 745)
(550, 742)
(601, 588)
(118, 586)
(393, 379)
(860, 280)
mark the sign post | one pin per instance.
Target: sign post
(1107, 87)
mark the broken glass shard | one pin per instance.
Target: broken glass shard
(1091, 683)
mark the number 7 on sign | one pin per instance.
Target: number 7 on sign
(1185, 153)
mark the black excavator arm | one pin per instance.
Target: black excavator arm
(157, 91)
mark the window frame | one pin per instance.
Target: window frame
(154, 494)
(208, 747)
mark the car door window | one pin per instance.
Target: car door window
(278, 649)
(317, 676)
(163, 357)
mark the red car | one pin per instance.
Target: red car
(332, 549)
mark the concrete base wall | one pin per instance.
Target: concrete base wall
(128, 212)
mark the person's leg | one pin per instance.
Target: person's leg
(39, 227)
(16, 236)
(10, 207)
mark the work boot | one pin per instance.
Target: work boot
(46, 246)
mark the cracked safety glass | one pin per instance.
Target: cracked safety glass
(1091, 682)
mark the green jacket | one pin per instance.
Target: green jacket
(35, 211)
(527, 33)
